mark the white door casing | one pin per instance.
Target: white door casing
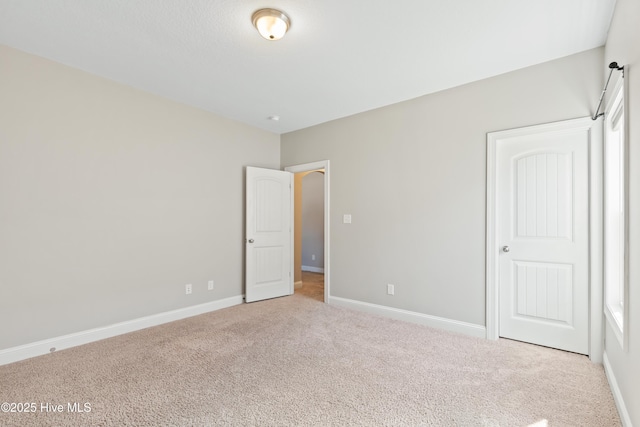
(268, 234)
(538, 271)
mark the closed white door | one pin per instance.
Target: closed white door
(269, 236)
(543, 237)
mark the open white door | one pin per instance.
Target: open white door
(269, 235)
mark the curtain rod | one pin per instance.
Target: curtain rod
(612, 66)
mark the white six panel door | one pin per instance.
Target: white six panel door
(269, 234)
(543, 233)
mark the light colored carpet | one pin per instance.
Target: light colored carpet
(295, 361)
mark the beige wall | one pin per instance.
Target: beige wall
(623, 46)
(313, 220)
(413, 177)
(298, 231)
(112, 199)
(297, 226)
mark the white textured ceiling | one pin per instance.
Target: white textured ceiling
(340, 57)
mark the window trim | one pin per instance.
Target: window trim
(617, 315)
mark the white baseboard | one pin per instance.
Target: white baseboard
(312, 269)
(411, 316)
(39, 348)
(615, 390)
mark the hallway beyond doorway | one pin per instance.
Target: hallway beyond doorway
(312, 286)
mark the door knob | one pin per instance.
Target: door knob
(251, 240)
(506, 249)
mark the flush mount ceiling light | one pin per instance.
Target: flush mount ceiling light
(270, 23)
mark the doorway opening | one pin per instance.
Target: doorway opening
(311, 230)
(309, 233)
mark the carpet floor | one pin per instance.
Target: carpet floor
(294, 361)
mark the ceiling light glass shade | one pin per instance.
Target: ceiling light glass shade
(270, 23)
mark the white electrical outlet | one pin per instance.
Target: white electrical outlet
(188, 289)
(346, 219)
(391, 289)
(313, 257)
(210, 285)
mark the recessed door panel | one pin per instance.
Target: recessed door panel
(268, 209)
(543, 292)
(268, 265)
(544, 183)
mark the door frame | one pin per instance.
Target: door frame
(308, 167)
(595, 269)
